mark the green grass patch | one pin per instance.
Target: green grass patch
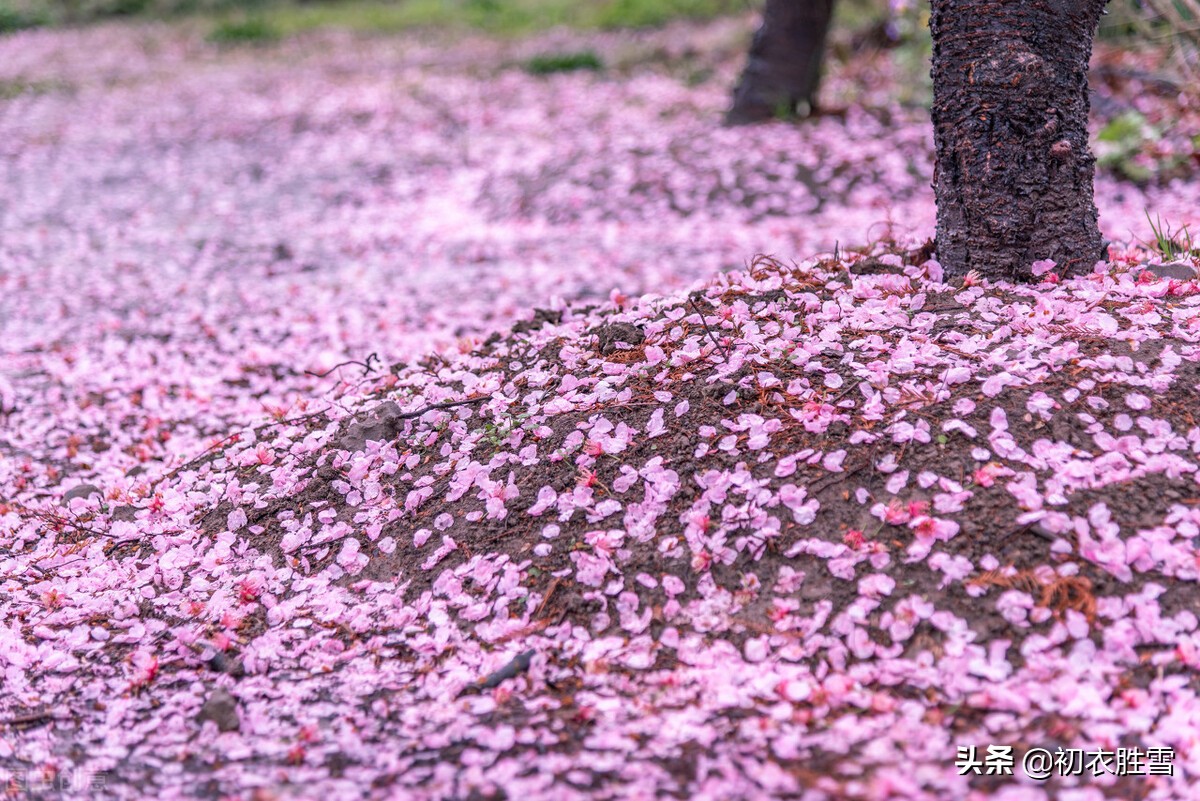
(128, 8)
(359, 15)
(857, 14)
(234, 22)
(1120, 141)
(246, 30)
(499, 17)
(653, 13)
(1170, 243)
(14, 19)
(564, 62)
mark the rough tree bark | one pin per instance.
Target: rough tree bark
(1013, 174)
(784, 67)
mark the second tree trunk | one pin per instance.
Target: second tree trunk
(785, 61)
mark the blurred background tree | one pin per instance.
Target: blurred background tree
(783, 69)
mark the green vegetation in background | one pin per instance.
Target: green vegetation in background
(857, 14)
(1120, 141)
(507, 17)
(492, 16)
(1131, 20)
(564, 62)
(1126, 147)
(914, 55)
(15, 19)
(244, 30)
(504, 17)
(1122, 20)
(904, 34)
(650, 13)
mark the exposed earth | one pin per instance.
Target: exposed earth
(381, 420)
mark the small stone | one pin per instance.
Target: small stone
(609, 335)
(82, 491)
(383, 423)
(518, 665)
(717, 390)
(1179, 270)
(541, 317)
(229, 665)
(126, 514)
(221, 709)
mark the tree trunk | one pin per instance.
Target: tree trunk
(1013, 174)
(784, 67)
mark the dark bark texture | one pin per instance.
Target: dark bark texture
(1013, 175)
(784, 67)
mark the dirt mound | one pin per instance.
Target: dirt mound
(810, 528)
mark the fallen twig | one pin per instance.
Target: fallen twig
(518, 665)
(703, 322)
(232, 438)
(845, 392)
(531, 629)
(366, 366)
(436, 406)
(545, 600)
(836, 478)
(36, 717)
